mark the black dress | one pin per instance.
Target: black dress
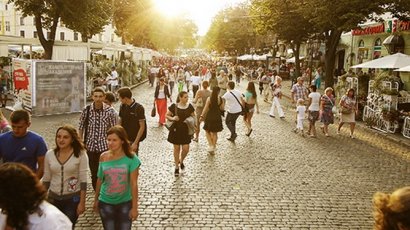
(213, 120)
(178, 134)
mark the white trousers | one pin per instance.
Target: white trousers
(276, 103)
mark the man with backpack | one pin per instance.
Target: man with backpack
(132, 118)
(96, 119)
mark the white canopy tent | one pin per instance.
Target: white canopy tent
(404, 69)
(394, 61)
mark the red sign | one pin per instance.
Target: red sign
(369, 30)
(20, 79)
(404, 25)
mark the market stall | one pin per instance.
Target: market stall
(387, 106)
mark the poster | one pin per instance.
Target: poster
(59, 87)
(23, 82)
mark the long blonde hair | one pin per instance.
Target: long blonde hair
(391, 210)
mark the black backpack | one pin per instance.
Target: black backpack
(135, 107)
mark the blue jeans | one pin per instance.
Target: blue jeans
(231, 123)
(115, 216)
(68, 207)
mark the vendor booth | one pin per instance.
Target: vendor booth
(387, 106)
(49, 87)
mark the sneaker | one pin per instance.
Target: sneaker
(282, 118)
(176, 173)
(351, 136)
(295, 130)
(271, 116)
(211, 148)
(182, 166)
(231, 139)
(338, 132)
(312, 136)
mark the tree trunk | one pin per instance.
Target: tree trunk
(84, 37)
(332, 40)
(296, 52)
(48, 43)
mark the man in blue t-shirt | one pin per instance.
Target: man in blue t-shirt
(21, 145)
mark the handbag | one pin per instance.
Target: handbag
(345, 110)
(154, 111)
(243, 112)
(199, 102)
(334, 108)
(170, 124)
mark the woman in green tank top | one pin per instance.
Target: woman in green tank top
(116, 194)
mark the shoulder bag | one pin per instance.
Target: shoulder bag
(243, 111)
(170, 124)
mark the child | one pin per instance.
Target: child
(300, 116)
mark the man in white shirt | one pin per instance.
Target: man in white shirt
(234, 103)
(113, 80)
(196, 83)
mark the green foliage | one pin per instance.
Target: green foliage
(90, 20)
(139, 24)
(85, 16)
(286, 19)
(231, 30)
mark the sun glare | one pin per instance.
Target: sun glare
(169, 8)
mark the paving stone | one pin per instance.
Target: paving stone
(273, 179)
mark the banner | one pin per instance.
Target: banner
(59, 87)
(22, 82)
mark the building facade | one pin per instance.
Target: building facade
(14, 24)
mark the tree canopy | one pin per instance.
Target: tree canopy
(85, 16)
(329, 19)
(138, 23)
(283, 17)
(231, 30)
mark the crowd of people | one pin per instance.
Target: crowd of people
(107, 142)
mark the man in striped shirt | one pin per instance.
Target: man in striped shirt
(95, 121)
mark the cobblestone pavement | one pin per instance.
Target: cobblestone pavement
(274, 179)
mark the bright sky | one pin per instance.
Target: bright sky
(200, 11)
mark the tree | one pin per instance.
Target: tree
(231, 30)
(332, 18)
(90, 20)
(47, 14)
(284, 19)
(139, 24)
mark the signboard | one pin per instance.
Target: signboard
(23, 82)
(59, 87)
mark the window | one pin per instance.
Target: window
(7, 7)
(22, 33)
(62, 36)
(377, 50)
(35, 35)
(363, 52)
(75, 36)
(48, 35)
(22, 21)
(34, 21)
(62, 24)
(100, 37)
(7, 26)
(112, 37)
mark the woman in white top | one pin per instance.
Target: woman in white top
(22, 201)
(313, 110)
(66, 172)
(277, 94)
(348, 109)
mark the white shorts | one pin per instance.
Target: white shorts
(299, 123)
